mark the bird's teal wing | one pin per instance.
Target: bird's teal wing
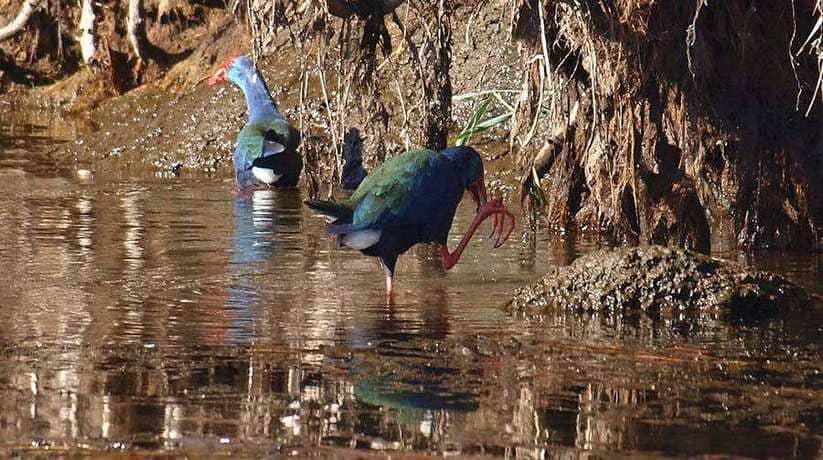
(386, 195)
(259, 140)
(248, 147)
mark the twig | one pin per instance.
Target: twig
(336, 144)
(536, 118)
(412, 48)
(484, 92)
(135, 29)
(545, 75)
(467, 38)
(817, 43)
(343, 89)
(547, 65)
(792, 59)
(816, 91)
(593, 78)
(404, 127)
(691, 34)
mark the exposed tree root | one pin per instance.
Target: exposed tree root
(436, 80)
(688, 119)
(19, 21)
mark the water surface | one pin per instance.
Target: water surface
(151, 314)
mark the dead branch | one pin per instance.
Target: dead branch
(437, 82)
(19, 21)
(814, 42)
(135, 30)
(691, 35)
(87, 42)
(542, 162)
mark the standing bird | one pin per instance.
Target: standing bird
(412, 199)
(266, 147)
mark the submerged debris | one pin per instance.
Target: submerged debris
(657, 277)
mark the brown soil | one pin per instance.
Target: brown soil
(688, 118)
(668, 282)
(46, 53)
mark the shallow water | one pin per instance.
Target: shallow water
(153, 315)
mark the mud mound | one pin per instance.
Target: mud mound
(656, 277)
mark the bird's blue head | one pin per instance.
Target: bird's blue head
(237, 69)
(241, 71)
(470, 168)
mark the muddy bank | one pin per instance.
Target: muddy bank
(82, 53)
(129, 115)
(661, 280)
(644, 121)
(179, 125)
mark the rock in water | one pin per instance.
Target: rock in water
(657, 277)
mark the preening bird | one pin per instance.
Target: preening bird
(266, 148)
(412, 199)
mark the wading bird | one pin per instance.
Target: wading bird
(266, 148)
(412, 199)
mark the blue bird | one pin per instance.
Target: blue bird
(266, 148)
(411, 199)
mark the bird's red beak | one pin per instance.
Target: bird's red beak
(220, 75)
(478, 191)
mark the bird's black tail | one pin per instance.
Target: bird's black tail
(328, 208)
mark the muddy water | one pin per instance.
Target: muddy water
(151, 315)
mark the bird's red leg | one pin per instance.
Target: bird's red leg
(489, 208)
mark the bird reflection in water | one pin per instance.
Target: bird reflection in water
(403, 373)
(251, 246)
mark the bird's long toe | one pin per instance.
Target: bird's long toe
(507, 217)
(504, 221)
(495, 225)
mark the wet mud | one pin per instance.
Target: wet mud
(665, 280)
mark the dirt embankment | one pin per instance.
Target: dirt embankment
(177, 123)
(49, 52)
(689, 117)
(649, 121)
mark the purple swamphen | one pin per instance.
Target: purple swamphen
(266, 147)
(411, 199)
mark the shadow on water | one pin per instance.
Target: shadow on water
(176, 315)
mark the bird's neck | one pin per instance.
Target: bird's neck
(258, 100)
